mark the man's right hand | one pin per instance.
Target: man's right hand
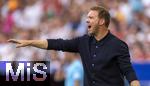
(20, 43)
(43, 44)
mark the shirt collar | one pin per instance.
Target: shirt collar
(94, 41)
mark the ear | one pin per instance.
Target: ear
(101, 21)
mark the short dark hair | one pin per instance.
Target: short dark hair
(102, 13)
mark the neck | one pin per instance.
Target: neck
(101, 34)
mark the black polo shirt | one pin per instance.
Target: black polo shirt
(105, 62)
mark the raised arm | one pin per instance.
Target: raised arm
(64, 45)
(43, 44)
(50, 44)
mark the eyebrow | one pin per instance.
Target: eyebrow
(90, 16)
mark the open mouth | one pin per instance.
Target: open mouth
(89, 26)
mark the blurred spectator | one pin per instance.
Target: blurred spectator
(29, 17)
(7, 11)
(138, 54)
(146, 4)
(73, 73)
(136, 5)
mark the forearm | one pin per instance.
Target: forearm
(38, 43)
(63, 45)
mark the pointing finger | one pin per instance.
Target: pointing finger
(13, 40)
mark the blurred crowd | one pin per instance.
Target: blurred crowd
(44, 19)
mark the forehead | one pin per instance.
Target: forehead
(92, 13)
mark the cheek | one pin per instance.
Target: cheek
(94, 22)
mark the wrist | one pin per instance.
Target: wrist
(29, 42)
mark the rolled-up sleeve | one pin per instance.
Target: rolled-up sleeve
(124, 62)
(63, 45)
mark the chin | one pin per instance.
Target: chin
(90, 34)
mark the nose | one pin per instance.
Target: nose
(87, 20)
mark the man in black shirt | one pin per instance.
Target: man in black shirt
(105, 58)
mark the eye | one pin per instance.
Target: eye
(91, 17)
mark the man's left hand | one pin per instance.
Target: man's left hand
(135, 83)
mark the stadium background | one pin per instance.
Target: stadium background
(42, 19)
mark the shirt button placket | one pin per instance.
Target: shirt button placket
(93, 65)
(96, 46)
(93, 82)
(94, 55)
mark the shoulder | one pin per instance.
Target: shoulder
(118, 42)
(82, 38)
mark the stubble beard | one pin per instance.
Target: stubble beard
(95, 31)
